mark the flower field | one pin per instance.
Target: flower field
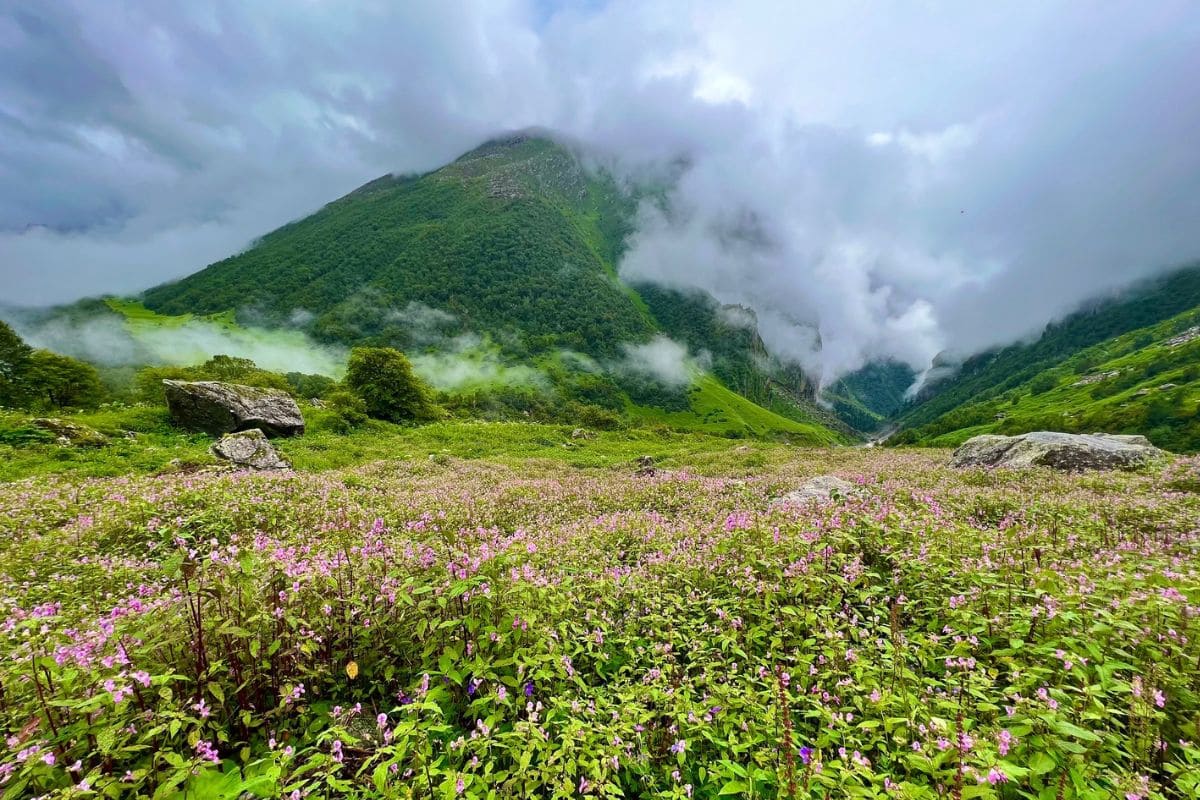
(447, 628)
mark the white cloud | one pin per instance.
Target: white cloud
(874, 178)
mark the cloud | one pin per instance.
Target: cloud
(109, 341)
(662, 359)
(469, 362)
(873, 179)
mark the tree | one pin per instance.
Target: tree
(62, 382)
(384, 379)
(14, 363)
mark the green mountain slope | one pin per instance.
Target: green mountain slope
(508, 255)
(868, 397)
(514, 237)
(1124, 365)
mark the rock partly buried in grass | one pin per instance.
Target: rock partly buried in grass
(821, 489)
(70, 433)
(249, 449)
(218, 408)
(1071, 452)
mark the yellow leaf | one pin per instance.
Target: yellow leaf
(352, 670)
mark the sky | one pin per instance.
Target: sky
(876, 179)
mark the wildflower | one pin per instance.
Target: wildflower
(679, 746)
(805, 755)
(1159, 699)
(460, 785)
(1003, 742)
(336, 750)
(529, 689)
(206, 752)
(995, 776)
(48, 758)
(381, 721)
(501, 693)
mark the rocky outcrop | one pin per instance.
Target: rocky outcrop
(218, 408)
(821, 489)
(70, 433)
(1070, 452)
(249, 449)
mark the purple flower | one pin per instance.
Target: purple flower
(805, 754)
(529, 689)
(679, 746)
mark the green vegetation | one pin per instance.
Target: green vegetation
(1145, 381)
(514, 239)
(510, 628)
(1080, 343)
(383, 378)
(40, 380)
(867, 398)
(714, 409)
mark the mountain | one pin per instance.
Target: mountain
(511, 250)
(514, 237)
(867, 398)
(1124, 364)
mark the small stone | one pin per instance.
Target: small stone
(821, 489)
(249, 449)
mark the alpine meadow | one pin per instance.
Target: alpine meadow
(781, 401)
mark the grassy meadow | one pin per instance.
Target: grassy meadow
(505, 611)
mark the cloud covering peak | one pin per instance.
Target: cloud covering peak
(874, 179)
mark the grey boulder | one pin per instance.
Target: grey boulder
(821, 489)
(1070, 452)
(217, 408)
(249, 449)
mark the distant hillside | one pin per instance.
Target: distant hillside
(1128, 364)
(867, 398)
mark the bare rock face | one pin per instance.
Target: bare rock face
(217, 408)
(249, 449)
(821, 489)
(1070, 452)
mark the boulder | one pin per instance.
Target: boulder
(218, 408)
(249, 449)
(70, 433)
(821, 489)
(1070, 452)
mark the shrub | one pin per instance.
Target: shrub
(55, 381)
(1043, 383)
(383, 377)
(348, 407)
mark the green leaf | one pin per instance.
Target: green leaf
(1071, 729)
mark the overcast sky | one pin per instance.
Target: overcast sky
(875, 179)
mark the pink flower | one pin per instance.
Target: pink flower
(995, 776)
(206, 752)
(1159, 699)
